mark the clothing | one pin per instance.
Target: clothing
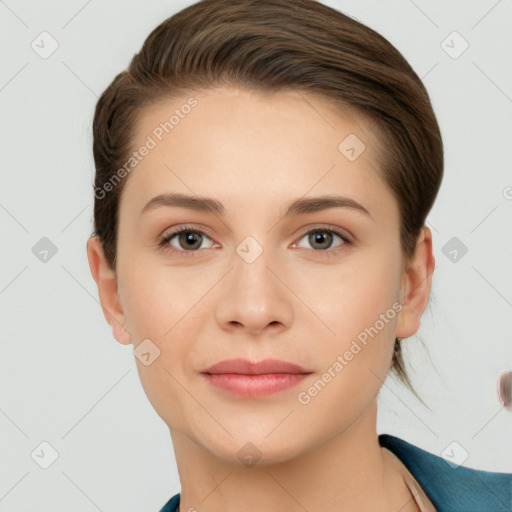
(459, 489)
(420, 498)
(449, 489)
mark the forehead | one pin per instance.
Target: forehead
(236, 144)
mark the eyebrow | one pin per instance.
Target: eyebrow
(297, 207)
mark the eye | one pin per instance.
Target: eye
(184, 239)
(187, 239)
(322, 239)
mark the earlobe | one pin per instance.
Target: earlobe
(416, 285)
(106, 281)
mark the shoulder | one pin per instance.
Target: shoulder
(451, 487)
(172, 504)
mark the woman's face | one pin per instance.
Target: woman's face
(251, 281)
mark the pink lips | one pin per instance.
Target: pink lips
(251, 379)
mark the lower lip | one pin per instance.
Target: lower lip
(254, 385)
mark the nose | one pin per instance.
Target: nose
(253, 296)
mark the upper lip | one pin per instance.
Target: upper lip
(246, 367)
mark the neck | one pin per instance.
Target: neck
(348, 472)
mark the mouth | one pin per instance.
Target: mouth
(244, 378)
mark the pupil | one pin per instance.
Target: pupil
(189, 238)
(320, 238)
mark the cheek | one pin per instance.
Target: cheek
(362, 310)
(360, 304)
(156, 299)
(162, 306)
(171, 307)
(349, 298)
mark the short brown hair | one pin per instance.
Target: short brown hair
(272, 46)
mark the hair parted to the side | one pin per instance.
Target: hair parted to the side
(272, 46)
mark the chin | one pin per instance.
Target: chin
(254, 449)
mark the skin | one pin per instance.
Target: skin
(255, 153)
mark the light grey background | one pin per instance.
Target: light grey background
(64, 380)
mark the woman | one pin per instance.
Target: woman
(243, 134)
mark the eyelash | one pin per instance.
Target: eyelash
(163, 242)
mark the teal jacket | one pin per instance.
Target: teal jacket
(450, 489)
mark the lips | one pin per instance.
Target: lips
(249, 379)
(246, 367)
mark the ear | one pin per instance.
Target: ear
(416, 284)
(106, 280)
